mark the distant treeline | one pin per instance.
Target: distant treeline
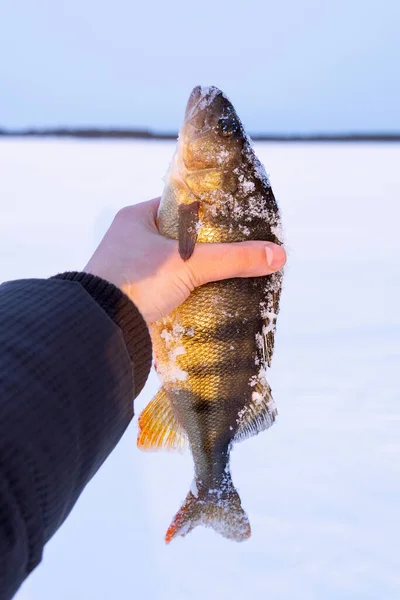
(144, 134)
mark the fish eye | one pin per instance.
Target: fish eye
(228, 127)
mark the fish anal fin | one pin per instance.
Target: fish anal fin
(158, 427)
(259, 413)
(188, 228)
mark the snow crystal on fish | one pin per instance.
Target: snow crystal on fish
(261, 173)
(277, 231)
(259, 169)
(257, 208)
(169, 371)
(246, 187)
(245, 230)
(174, 335)
(222, 156)
(193, 489)
(178, 351)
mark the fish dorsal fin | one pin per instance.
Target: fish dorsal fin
(265, 339)
(158, 427)
(258, 415)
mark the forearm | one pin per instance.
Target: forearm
(67, 383)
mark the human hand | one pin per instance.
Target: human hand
(147, 266)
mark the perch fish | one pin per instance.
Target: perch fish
(212, 353)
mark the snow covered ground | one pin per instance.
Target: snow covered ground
(322, 487)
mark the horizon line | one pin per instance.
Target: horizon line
(130, 133)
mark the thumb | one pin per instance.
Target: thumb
(213, 262)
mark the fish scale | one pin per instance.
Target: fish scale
(212, 353)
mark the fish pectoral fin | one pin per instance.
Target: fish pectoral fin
(158, 427)
(188, 228)
(258, 415)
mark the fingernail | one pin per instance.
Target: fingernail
(276, 256)
(270, 255)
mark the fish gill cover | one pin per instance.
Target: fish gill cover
(213, 352)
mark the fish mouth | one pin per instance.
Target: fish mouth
(200, 98)
(205, 106)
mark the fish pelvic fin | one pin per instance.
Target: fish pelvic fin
(220, 509)
(158, 427)
(258, 414)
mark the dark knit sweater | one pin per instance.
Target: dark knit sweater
(74, 353)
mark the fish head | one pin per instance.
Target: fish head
(204, 185)
(211, 139)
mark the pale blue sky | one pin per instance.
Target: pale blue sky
(288, 66)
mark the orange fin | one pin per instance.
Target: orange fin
(258, 415)
(219, 509)
(187, 228)
(158, 427)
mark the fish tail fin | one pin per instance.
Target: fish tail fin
(220, 509)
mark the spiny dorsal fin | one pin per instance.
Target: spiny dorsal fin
(258, 415)
(270, 311)
(158, 427)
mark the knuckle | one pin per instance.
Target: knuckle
(125, 213)
(192, 277)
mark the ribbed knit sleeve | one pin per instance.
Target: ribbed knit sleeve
(69, 370)
(125, 314)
